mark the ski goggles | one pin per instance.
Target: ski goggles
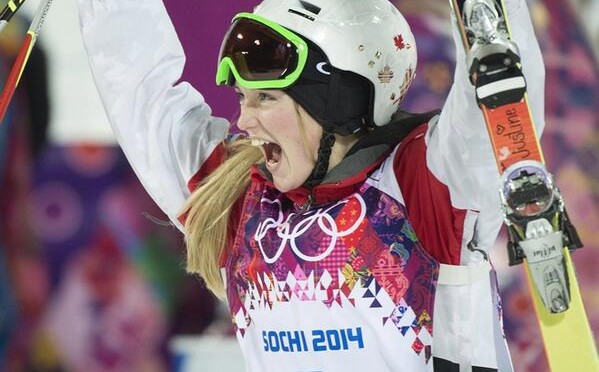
(260, 54)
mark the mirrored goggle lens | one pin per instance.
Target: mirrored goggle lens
(258, 52)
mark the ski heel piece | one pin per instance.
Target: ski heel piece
(539, 229)
(545, 259)
(493, 59)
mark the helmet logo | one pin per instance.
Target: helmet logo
(320, 67)
(399, 43)
(408, 77)
(386, 75)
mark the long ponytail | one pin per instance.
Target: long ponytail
(208, 209)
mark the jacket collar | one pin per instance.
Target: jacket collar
(329, 190)
(361, 160)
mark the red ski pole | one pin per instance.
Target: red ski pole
(24, 52)
(9, 10)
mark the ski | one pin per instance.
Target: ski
(540, 232)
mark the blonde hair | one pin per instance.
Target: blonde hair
(208, 209)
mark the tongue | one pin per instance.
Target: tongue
(273, 152)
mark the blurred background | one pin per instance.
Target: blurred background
(91, 275)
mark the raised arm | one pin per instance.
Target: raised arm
(459, 150)
(164, 126)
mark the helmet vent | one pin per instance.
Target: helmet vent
(301, 14)
(310, 7)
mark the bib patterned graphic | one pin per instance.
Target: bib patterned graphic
(356, 259)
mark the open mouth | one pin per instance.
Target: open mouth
(272, 151)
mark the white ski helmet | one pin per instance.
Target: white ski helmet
(368, 37)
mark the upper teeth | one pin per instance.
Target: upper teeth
(258, 142)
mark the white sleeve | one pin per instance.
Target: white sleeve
(164, 126)
(459, 150)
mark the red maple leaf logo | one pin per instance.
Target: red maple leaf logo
(399, 43)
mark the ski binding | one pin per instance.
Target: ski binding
(493, 59)
(539, 229)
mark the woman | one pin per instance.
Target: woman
(344, 233)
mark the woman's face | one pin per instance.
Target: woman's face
(288, 137)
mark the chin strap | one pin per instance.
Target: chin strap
(322, 161)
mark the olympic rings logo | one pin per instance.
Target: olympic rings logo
(320, 217)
